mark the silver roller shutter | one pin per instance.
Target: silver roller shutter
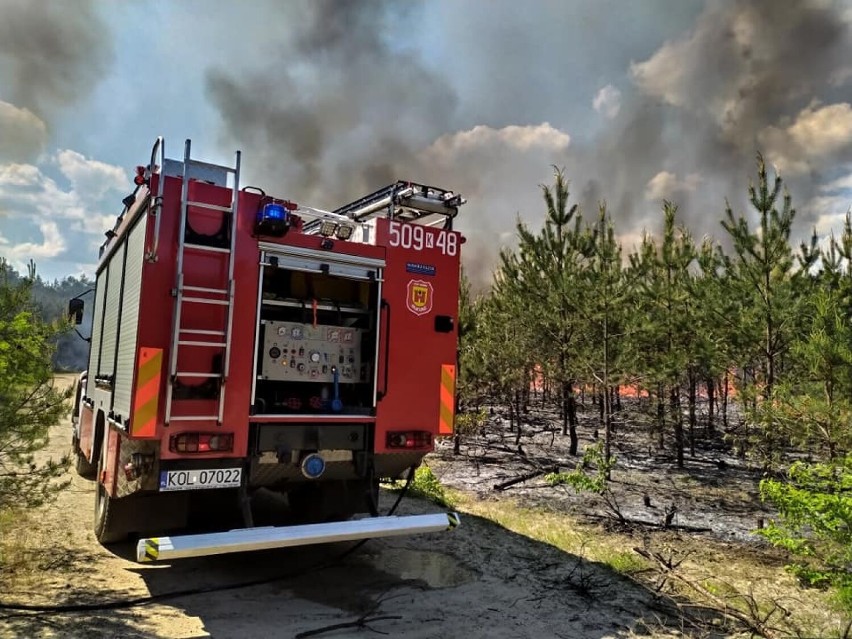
(113, 303)
(97, 325)
(126, 362)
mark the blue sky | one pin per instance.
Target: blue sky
(639, 101)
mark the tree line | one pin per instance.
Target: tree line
(50, 303)
(751, 343)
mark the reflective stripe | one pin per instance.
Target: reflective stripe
(148, 374)
(152, 549)
(448, 399)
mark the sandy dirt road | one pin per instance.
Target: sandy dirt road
(480, 580)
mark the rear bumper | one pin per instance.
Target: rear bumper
(166, 548)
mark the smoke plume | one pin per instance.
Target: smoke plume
(51, 55)
(336, 111)
(342, 108)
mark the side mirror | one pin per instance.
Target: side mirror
(75, 310)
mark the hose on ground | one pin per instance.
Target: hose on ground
(149, 599)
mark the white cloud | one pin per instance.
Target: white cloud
(518, 138)
(817, 132)
(665, 185)
(22, 134)
(41, 217)
(19, 175)
(823, 130)
(26, 192)
(665, 74)
(607, 102)
(90, 178)
(52, 244)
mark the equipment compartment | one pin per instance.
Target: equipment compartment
(316, 344)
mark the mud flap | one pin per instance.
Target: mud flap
(165, 548)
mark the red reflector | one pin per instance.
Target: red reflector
(411, 439)
(201, 442)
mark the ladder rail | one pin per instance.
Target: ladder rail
(405, 201)
(157, 153)
(235, 206)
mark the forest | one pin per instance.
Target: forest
(51, 301)
(748, 347)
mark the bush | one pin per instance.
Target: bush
(815, 508)
(427, 486)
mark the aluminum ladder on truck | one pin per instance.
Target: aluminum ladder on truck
(183, 337)
(404, 202)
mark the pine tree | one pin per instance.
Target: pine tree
(29, 403)
(604, 288)
(664, 336)
(541, 275)
(761, 272)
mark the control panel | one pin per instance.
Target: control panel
(297, 352)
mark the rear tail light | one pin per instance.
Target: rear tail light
(201, 443)
(409, 439)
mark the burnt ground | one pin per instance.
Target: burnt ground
(714, 494)
(483, 579)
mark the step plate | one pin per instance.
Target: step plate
(243, 540)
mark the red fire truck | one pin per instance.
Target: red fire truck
(241, 341)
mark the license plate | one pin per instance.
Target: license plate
(200, 478)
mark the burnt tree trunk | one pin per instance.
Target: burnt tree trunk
(711, 407)
(569, 420)
(661, 418)
(693, 383)
(518, 394)
(725, 384)
(674, 402)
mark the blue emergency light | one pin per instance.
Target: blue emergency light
(272, 219)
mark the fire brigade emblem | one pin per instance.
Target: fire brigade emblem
(419, 300)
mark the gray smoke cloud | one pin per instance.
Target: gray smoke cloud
(336, 110)
(51, 55)
(751, 75)
(342, 107)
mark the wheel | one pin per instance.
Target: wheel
(111, 514)
(84, 468)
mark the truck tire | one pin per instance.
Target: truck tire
(84, 468)
(112, 516)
